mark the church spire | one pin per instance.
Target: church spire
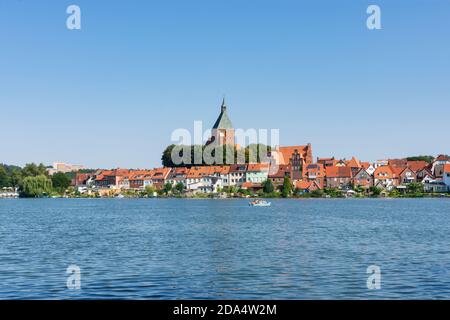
(224, 106)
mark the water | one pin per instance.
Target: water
(224, 249)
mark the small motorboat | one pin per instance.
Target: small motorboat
(260, 203)
(120, 196)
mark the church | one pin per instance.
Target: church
(222, 131)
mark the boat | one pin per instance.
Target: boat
(260, 203)
(120, 196)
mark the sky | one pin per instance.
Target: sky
(111, 94)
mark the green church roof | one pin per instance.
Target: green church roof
(223, 122)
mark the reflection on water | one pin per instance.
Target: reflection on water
(224, 249)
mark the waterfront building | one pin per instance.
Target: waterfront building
(338, 176)
(257, 173)
(384, 177)
(278, 173)
(111, 178)
(437, 167)
(237, 174)
(296, 157)
(178, 175)
(362, 179)
(446, 176)
(315, 172)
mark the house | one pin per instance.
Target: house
(384, 177)
(178, 175)
(370, 168)
(407, 175)
(296, 157)
(446, 176)
(327, 162)
(111, 178)
(432, 184)
(362, 179)
(139, 179)
(84, 179)
(338, 176)
(222, 172)
(354, 163)
(417, 165)
(237, 174)
(315, 172)
(257, 173)
(159, 177)
(437, 168)
(421, 174)
(278, 173)
(307, 186)
(203, 179)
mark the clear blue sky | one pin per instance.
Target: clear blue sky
(110, 94)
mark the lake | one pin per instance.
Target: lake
(224, 249)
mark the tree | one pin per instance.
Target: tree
(33, 170)
(150, 191)
(60, 181)
(167, 187)
(415, 187)
(375, 191)
(287, 187)
(179, 187)
(427, 159)
(5, 180)
(37, 186)
(268, 186)
(16, 178)
(317, 193)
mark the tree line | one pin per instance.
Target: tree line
(33, 180)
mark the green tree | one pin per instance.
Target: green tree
(16, 178)
(394, 193)
(415, 187)
(33, 170)
(37, 186)
(60, 181)
(268, 186)
(317, 193)
(179, 187)
(150, 191)
(167, 188)
(287, 187)
(375, 191)
(5, 180)
(427, 159)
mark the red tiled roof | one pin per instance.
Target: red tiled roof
(417, 165)
(446, 168)
(285, 153)
(338, 172)
(381, 171)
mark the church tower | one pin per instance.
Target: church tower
(222, 131)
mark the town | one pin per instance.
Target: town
(285, 171)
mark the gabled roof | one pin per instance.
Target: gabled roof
(417, 165)
(285, 153)
(223, 122)
(383, 172)
(338, 172)
(354, 163)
